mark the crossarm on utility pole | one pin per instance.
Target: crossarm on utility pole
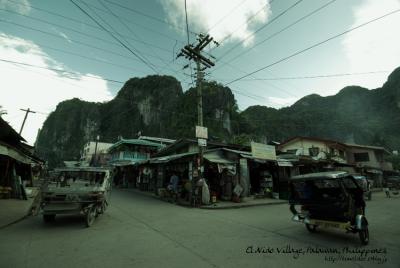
(26, 116)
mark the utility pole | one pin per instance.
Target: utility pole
(26, 115)
(95, 151)
(193, 52)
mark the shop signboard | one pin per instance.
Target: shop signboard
(201, 132)
(202, 142)
(263, 151)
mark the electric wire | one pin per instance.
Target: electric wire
(225, 16)
(113, 36)
(246, 22)
(126, 26)
(262, 27)
(60, 71)
(72, 40)
(314, 76)
(277, 33)
(188, 40)
(90, 25)
(146, 15)
(313, 46)
(127, 43)
(86, 34)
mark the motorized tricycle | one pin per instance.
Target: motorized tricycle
(84, 191)
(329, 199)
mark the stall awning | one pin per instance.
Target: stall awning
(15, 154)
(283, 163)
(214, 157)
(374, 171)
(120, 163)
(258, 160)
(168, 158)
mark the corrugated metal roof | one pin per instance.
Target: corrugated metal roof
(168, 158)
(135, 142)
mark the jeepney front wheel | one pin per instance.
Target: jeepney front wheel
(90, 216)
(49, 217)
(311, 228)
(102, 207)
(364, 235)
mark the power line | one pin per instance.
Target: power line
(113, 36)
(247, 21)
(188, 40)
(314, 76)
(73, 40)
(115, 31)
(226, 15)
(313, 46)
(131, 31)
(109, 11)
(86, 34)
(58, 25)
(279, 32)
(53, 13)
(137, 24)
(60, 71)
(262, 27)
(90, 58)
(146, 15)
(87, 24)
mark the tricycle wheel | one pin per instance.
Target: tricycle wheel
(311, 228)
(90, 216)
(364, 235)
(102, 207)
(49, 217)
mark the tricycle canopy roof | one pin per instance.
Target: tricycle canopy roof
(321, 175)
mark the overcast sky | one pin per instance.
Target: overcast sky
(52, 51)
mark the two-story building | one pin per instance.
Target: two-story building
(367, 160)
(126, 155)
(315, 148)
(132, 151)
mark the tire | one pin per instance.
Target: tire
(102, 208)
(90, 216)
(49, 217)
(364, 236)
(311, 228)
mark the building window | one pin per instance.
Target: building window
(361, 157)
(313, 151)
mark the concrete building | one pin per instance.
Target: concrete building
(89, 150)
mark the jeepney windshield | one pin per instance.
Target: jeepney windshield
(68, 178)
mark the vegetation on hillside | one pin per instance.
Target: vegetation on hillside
(157, 106)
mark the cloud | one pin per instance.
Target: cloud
(375, 46)
(39, 89)
(224, 17)
(21, 6)
(63, 35)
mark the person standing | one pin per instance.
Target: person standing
(386, 189)
(173, 183)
